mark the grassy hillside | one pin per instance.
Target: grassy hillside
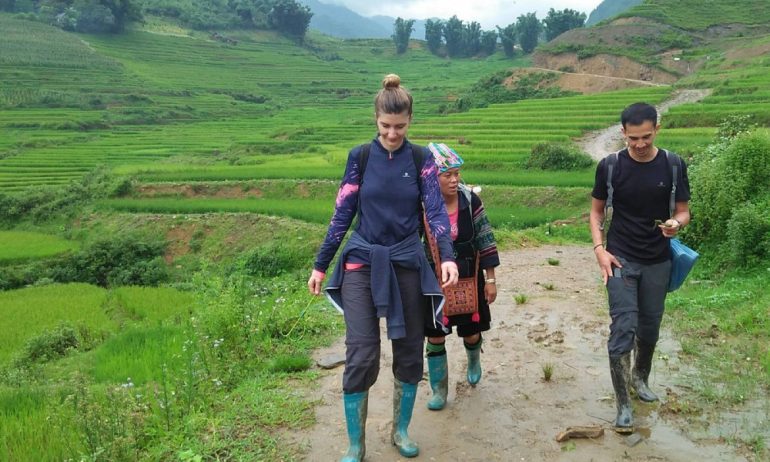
(699, 15)
(231, 155)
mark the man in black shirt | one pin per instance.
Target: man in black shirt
(636, 263)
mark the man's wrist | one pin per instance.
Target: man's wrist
(597, 246)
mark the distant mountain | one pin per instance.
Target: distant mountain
(342, 22)
(608, 9)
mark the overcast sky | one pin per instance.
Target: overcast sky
(487, 12)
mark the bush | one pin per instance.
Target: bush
(276, 259)
(557, 156)
(49, 345)
(748, 233)
(730, 185)
(127, 260)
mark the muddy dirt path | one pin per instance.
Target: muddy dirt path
(602, 142)
(513, 414)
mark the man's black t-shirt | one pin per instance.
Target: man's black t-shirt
(642, 191)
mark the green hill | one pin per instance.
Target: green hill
(609, 9)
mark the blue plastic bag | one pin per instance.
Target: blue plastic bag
(683, 259)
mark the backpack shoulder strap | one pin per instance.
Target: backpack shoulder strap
(676, 164)
(419, 155)
(609, 164)
(363, 160)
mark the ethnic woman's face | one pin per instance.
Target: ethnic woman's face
(449, 181)
(392, 129)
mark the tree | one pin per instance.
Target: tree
(402, 30)
(471, 43)
(434, 30)
(453, 36)
(252, 13)
(290, 18)
(489, 42)
(558, 22)
(92, 17)
(507, 38)
(528, 28)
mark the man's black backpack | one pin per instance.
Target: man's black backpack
(676, 164)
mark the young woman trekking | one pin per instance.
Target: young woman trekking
(382, 270)
(476, 253)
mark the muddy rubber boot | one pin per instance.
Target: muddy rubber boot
(620, 371)
(474, 362)
(404, 395)
(438, 375)
(356, 406)
(643, 354)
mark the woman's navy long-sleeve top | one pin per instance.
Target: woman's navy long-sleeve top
(387, 202)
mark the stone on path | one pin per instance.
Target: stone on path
(331, 361)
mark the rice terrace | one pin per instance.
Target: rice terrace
(168, 170)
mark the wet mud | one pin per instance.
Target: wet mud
(514, 414)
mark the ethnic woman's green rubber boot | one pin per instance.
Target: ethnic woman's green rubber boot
(356, 406)
(474, 362)
(438, 375)
(404, 395)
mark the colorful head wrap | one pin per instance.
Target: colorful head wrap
(444, 157)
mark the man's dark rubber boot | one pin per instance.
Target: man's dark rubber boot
(643, 354)
(356, 407)
(620, 372)
(404, 395)
(438, 375)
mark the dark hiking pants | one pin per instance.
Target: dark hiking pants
(636, 300)
(362, 331)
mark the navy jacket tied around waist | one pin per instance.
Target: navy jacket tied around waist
(408, 254)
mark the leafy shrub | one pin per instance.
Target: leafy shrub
(276, 259)
(748, 233)
(126, 260)
(731, 183)
(557, 156)
(49, 345)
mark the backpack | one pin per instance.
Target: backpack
(674, 160)
(683, 258)
(419, 154)
(418, 157)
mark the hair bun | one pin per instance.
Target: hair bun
(391, 81)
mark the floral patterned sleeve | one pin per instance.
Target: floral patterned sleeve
(435, 209)
(345, 209)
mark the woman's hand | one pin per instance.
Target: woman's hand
(315, 282)
(449, 274)
(606, 260)
(490, 292)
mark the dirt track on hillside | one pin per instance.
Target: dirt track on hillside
(513, 414)
(599, 143)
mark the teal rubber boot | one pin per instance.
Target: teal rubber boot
(438, 375)
(404, 395)
(356, 407)
(474, 362)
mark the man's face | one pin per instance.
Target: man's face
(640, 139)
